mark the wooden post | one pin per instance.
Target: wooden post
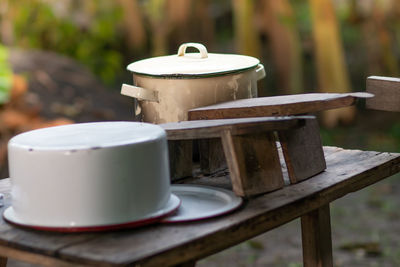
(296, 143)
(316, 236)
(180, 158)
(186, 264)
(253, 162)
(3, 261)
(212, 158)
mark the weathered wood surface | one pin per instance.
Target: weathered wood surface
(302, 149)
(186, 264)
(161, 245)
(180, 158)
(186, 130)
(316, 238)
(34, 258)
(212, 158)
(276, 106)
(386, 91)
(253, 163)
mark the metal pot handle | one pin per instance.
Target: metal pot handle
(202, 49)
(139, 93)
(260, 72)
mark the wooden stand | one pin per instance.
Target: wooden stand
(249, 146)
(273, 106)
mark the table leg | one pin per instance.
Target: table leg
(186, 264)
(3, 261)
(212, 158)
(316, 237)
(180, 158)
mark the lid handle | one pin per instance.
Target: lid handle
(202, 49)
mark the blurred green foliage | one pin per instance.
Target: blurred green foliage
(95, 33)
(91, 39)
(395, 133)
(365, 135)
(5, 75)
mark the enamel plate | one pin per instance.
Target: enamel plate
(171, 207)
(202, 202)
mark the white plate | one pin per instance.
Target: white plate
(202, 202)
(172, 205)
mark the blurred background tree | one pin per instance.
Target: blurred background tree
(305, 45)
(296, 39)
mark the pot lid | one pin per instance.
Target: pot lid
(193, 64)
(90, 135)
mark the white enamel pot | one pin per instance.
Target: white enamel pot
(167, 87)
(89, 174)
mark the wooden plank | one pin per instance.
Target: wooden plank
(302, 149)
(185, 130)
(212, 158)
(253, 163)
(233, 163)
(276, 106)
(316, 238)
(180, 158)
(386, 91)
(347, 171)
(33, 258)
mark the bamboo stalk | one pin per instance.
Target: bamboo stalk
(179, 18)
(133, 23)
(159, 27)
(6, 23)
(384, 40)
(246, 36)
(330, 59)
(207, 23)
(278, 21)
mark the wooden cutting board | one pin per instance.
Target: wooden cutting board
(276, 105)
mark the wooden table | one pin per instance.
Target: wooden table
(163, 245)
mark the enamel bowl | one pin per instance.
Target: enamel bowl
(90, 175)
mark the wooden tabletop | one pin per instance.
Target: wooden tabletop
(163, 245)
